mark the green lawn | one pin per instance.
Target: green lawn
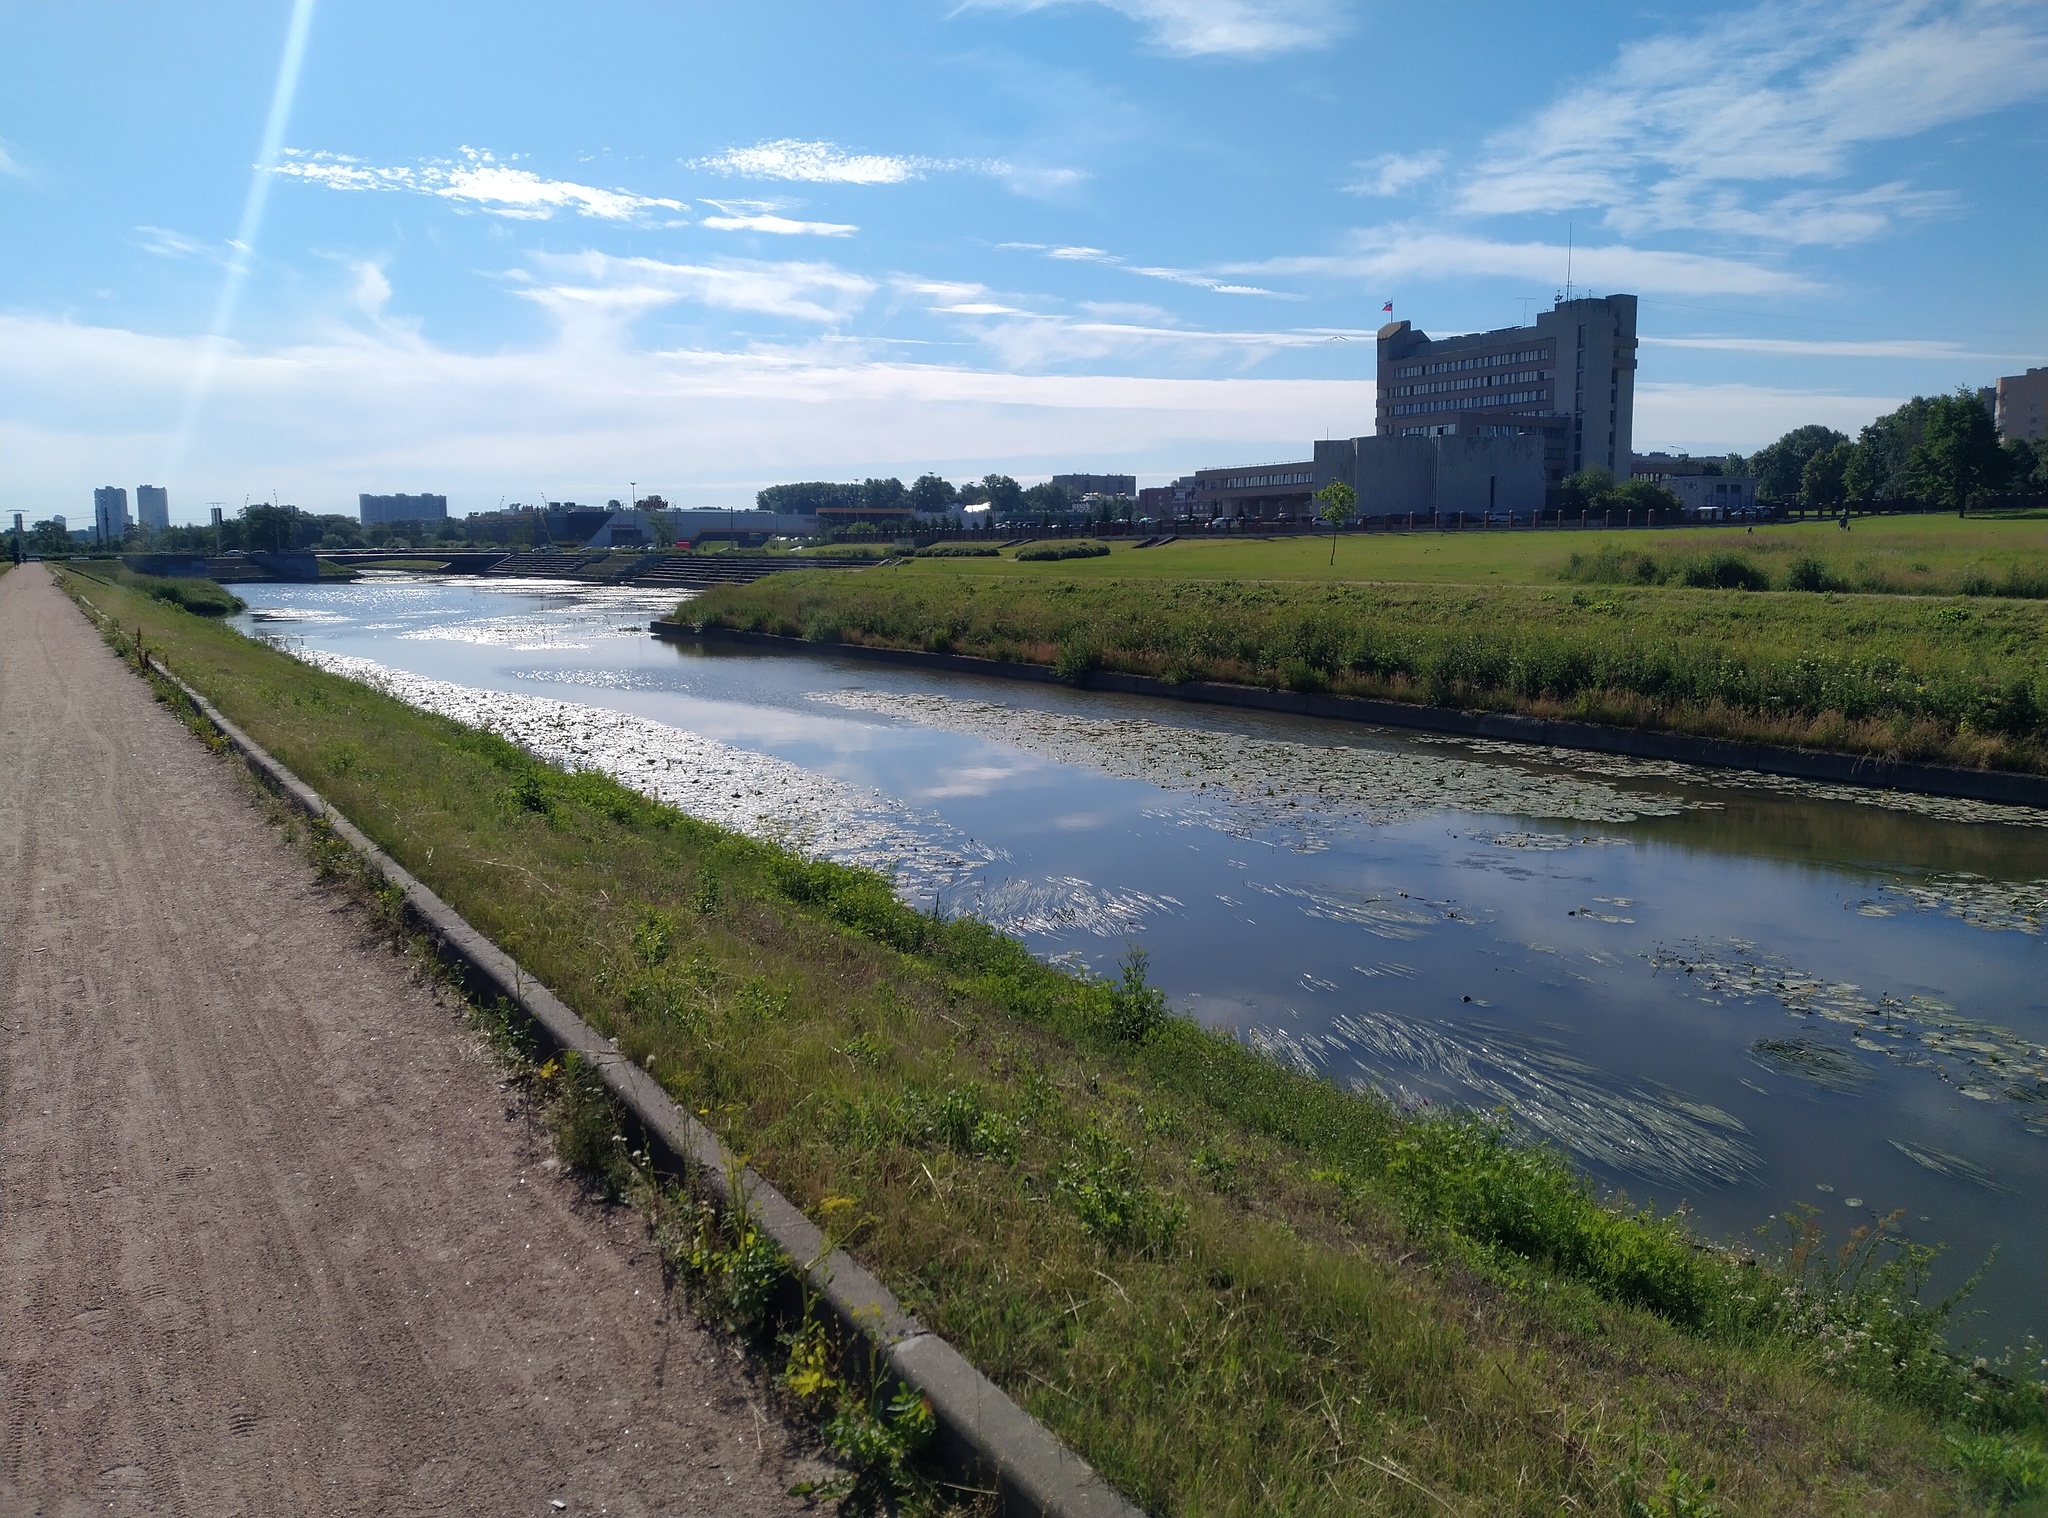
(1233, 1288)
(1936, 555)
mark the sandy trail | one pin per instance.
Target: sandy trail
(272, 1239)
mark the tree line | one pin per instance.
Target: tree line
(1940, 448)
(930, 495)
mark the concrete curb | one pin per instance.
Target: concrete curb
(980, 1427)
(1995, 786)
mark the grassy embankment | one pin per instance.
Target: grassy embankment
(1957, 680)
(1233, 1288)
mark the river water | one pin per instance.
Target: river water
(1741, 994)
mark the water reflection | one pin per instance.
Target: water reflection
(1727, 990)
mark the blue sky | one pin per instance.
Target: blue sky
(518, 251)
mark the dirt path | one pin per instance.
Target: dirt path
(271, 1238)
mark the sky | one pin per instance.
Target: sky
(302, 249)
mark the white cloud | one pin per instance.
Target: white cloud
(1796, 347)
(782, 226)
(477, 178)
(1394, 173)
(1194, 277)
(1684, 127)
(818, 163)
(1384, 256)
(1191, 28)
(319, 419)
(1036, 340)
(8, 166)
(596, 287)
(793, 159)
(165, 243)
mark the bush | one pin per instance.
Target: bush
(1725, 571)
(1809, 573)
(961, 551)
(1084, 548)
(203, 598)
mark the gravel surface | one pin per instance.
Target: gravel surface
(272, 1238)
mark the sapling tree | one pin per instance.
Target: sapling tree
(1336, 502)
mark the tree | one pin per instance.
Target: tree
(1049, 499)
(1957, 458)
(1780, 468)
(1336, 502)
(1005, 495)
(1645, 496)
(884, 495)
(2026, 466)
(1821, 481)
(270, 529)
(1586, 491)
(931, 496)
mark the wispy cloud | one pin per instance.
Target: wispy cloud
(1797, 347)
(1394, 173)
(1193, 28)
(1380, 257)
(595, 286)
(795, 160)
(165, 243)
(8, 166)
(760, 216)
(476, 178)
(1077, 253)
(1685, 129)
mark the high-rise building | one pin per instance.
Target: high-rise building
(152, 507)
(110, 513)
(1569, 379)
(2022, 406)
(402, 508)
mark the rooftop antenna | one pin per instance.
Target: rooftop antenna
(1568, 229)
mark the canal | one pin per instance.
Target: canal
(1743, 995)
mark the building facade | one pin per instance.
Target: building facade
(153, 507)
(110, 513)
(1257, 492)
(1568, 380)
(2021, 406)
(1442, 475)
(386, 509)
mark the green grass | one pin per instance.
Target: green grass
(1955, 680)
(202, 598)
(1917, 555)
(1234, 1288)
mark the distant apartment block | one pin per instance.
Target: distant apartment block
(1257, 492)
(110, 513)
(2021, 407)
(1569, 379)
(1098, 484)
(386, 509)
(153, 507)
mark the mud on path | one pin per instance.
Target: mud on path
(272, 1239)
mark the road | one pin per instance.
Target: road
(272, 1237)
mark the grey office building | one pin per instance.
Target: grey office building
(402, 508)
(1569, 380)
(153, 507)
(110, 513)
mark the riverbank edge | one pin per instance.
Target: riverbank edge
(1999, 787)
(982, 1430)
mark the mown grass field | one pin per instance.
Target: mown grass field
(1233, 1288)
(1952, 679)
(1917, 555)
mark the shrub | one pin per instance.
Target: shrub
(1809, 573)
(1084, 548)
(961, 551)
(1725, 571)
